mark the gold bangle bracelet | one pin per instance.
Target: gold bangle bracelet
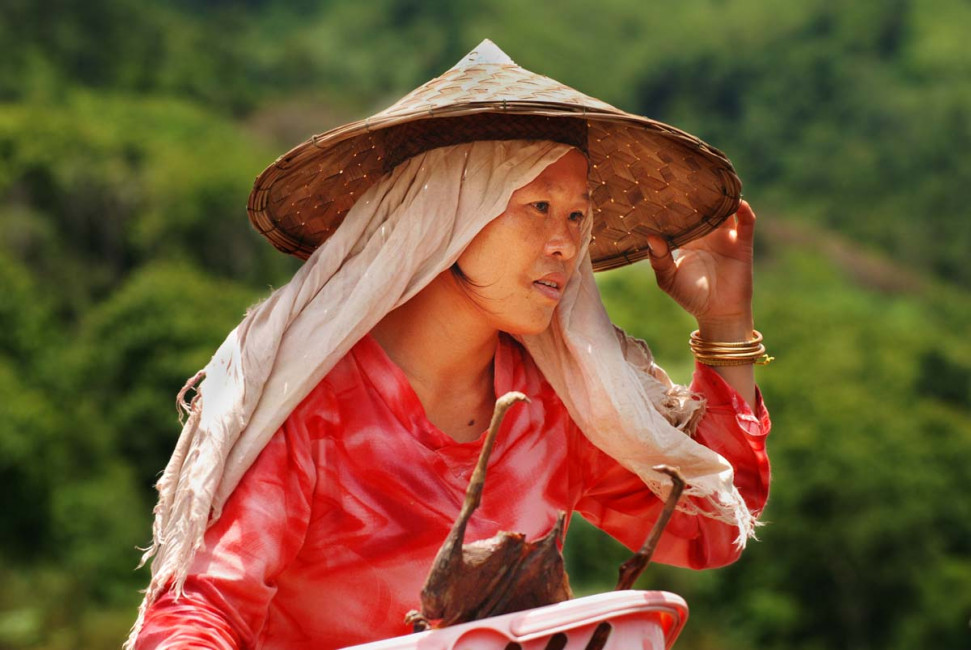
(764, 360)
(729, 353)
(757, 338)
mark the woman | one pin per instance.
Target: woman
(331, 444)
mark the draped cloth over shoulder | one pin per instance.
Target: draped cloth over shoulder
(406, 229)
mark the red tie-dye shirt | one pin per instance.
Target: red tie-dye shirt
(329, 537)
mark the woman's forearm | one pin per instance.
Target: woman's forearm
(741, 378)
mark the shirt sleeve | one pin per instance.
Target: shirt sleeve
(232, 579)
(617, 501)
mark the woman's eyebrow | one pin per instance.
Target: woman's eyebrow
(551, 187)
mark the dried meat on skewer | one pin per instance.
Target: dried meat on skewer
(502, 574)
(506, 573)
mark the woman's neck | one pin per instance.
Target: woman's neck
(446, 351)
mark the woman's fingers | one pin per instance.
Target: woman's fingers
(733, 237)
(745, 222)
(662, 261)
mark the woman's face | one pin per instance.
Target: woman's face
(519, 264)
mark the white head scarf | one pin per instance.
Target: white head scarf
(405, 230)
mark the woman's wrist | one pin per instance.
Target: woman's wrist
(738, 328)
(731, 330)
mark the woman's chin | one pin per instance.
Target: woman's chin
(529, 328)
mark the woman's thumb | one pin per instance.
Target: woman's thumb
(661, 260)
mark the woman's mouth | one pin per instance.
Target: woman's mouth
(552, 288)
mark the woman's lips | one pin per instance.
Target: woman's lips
(551, 286)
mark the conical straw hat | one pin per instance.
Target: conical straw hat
(646, 177)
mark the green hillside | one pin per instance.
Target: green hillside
(130, 133)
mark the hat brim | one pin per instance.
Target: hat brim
(646, 177)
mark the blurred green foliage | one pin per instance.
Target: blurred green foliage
(130, 132)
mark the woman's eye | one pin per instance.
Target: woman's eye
(577, 216)
(542, 206)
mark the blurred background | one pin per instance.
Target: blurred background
(131, 132)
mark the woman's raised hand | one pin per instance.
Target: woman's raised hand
(711, 278)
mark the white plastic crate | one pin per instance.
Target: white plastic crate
(648, 620)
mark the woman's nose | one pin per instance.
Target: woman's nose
(563, 241)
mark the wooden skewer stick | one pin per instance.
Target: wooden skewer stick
(451, 552)
(436, 594)
(473, 495)
(632, 568)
